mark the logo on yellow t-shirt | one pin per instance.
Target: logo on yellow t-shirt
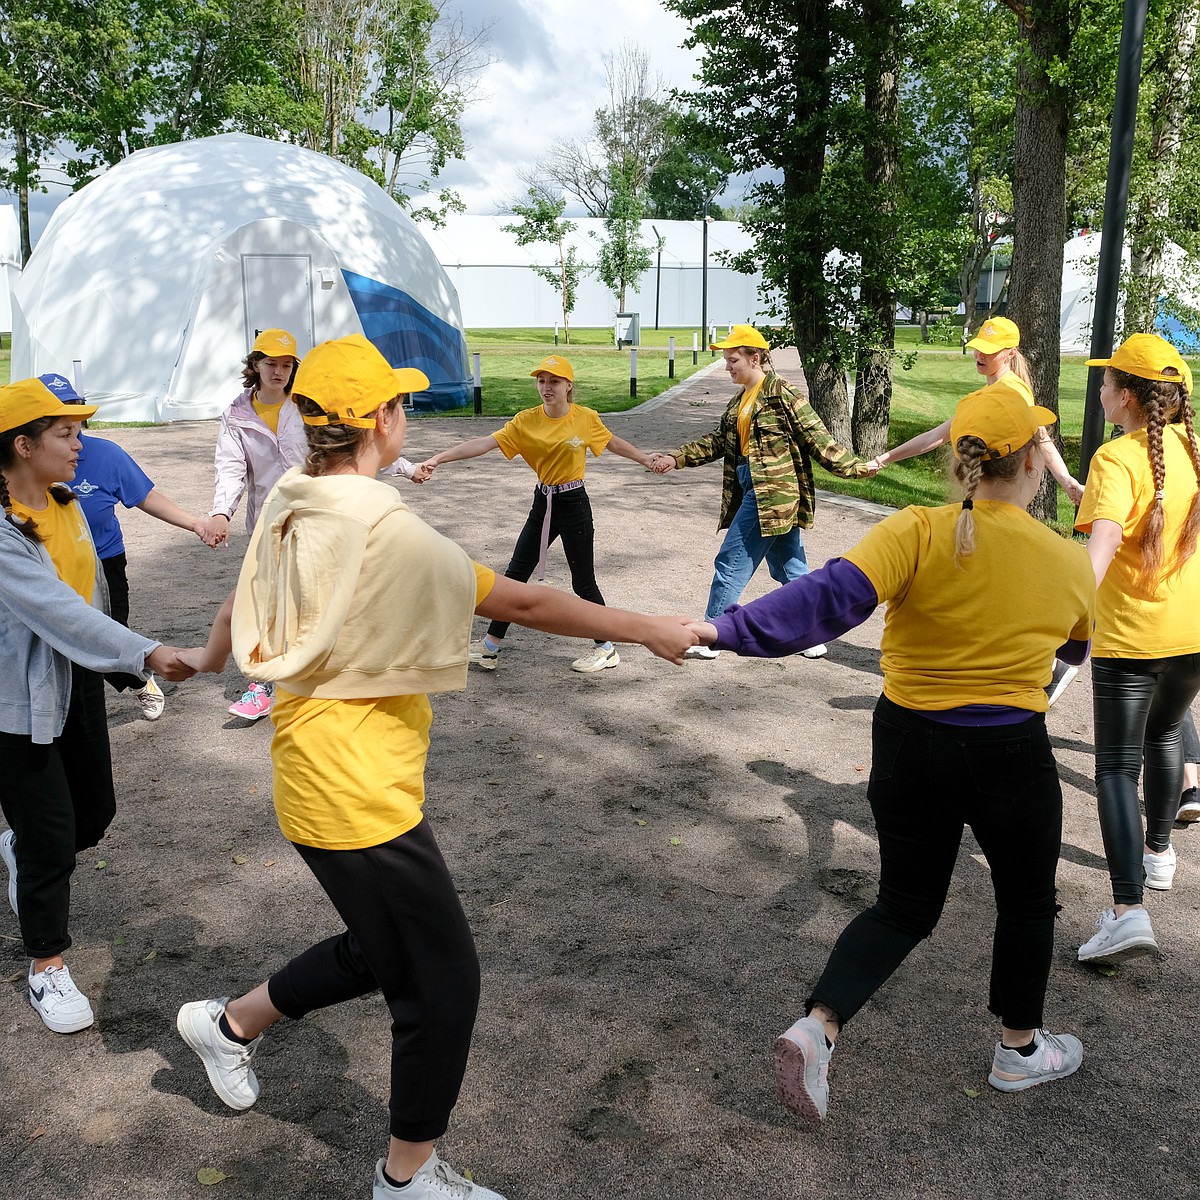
(575, 442)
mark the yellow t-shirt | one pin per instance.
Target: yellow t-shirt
(64, 532)
(749, 399)
(555, 447)
(268, 414)
(983, 634)
(1120, 488)
(351, 773)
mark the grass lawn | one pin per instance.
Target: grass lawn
(506, 357)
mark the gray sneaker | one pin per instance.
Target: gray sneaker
(434, 1180)
(802, 1069)
(1057, 1056)
(1119, 938)
(7, 838)
(227, 1063)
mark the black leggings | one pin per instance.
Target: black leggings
(570, 519)
(1138, 708)
(59, 800)
(928, 781)
(407, 935)
(118, 609)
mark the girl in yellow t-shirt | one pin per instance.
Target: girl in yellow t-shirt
(1142, 509)
(996, 357)
(553, 439)
(980, 599)
(355, 609)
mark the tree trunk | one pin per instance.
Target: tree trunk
(1039, 211)
(1148, 235)
(879, 49)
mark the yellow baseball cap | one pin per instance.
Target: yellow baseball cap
(998, 333)
(1001, 417)
(741, 336)
(554, 364)
(275, 343)
(350, 379)
(28, 399)
(1148, 356)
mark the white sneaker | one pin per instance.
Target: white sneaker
(1159, 869)
(434, 1180)
(1059, 680)
(227, 1063)
(801, 1061)
(701, 652)
(1118, 938)
(1057, 1056)
(818, 651)
(600, 659)
(7, 838)
(152, 700)
(55, 998)
(481, 656)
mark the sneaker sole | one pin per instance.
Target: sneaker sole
(1159, 885)
(483, 664)
(183, 1023)
(1021, 1085)
(1135, 948)
(62, 1026)
(1187, 815)
(233, 712)
(790, 1058)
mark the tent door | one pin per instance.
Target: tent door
(277, 294)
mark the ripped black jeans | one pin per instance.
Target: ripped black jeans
(1139, 705)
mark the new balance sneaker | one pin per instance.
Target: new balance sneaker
(434, 1180)
(1057, 1056)
(599, 659)
(255, 703)
(7, 839)
(152, 700)
(801, 1060)
(818, 651)
(1189, 806)
(1159, 870)
(481, 656)
(1119, 938)
(1060, 680)
(55, 998)
(227, 1062)
(701, 652)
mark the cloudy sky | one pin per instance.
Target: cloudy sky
(546, 83)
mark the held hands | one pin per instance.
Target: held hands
(874, 466)
(214, 531)
(1074, 490)
(170, 663)
(669, 637)
(660, 463)
(200, 658)
(422, 472)
(705, 632)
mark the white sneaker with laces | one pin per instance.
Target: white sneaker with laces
(227, 1063)
(55, 998)
(1119, 938)
(7, 840)
(1159, 870)
(434, 1180)
(152, 700)
(600, 659)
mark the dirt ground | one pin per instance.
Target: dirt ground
(655, 862)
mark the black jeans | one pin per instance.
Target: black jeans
(406, 933)
(929, 780)
(118, 609)
(1138, 710)
(58, 800)
(571, 520)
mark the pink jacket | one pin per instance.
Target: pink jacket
(250, 458)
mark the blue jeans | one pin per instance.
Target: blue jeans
(745, 547)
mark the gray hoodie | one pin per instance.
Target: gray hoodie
(44, 627)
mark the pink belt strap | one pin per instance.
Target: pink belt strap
(548, 490)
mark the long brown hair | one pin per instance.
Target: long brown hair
(331, 446)
(34, 430)
(250, 379)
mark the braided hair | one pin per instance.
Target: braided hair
(62, 494)
(1162, 403)
(971, 464)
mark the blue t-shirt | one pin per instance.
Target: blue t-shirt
(106, 474)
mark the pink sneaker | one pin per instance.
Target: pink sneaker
(255, 703)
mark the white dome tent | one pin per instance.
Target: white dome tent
(10, 263)
(157, 275)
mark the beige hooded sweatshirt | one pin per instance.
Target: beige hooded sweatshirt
(347, 594)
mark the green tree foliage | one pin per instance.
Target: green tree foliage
(541, 221)
(623, 256)
(694, 169)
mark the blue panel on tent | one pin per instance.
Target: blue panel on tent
(409, 335)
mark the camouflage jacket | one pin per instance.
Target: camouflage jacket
(785, 436)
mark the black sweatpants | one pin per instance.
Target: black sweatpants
(58, 799)
(118, 606)
(407, 935)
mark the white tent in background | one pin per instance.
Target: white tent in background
(158, 274)
(10, 263)
(1081, 259)
(498, 288)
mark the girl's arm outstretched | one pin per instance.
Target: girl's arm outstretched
(629, 450)
(215, 654)
(472, 448)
